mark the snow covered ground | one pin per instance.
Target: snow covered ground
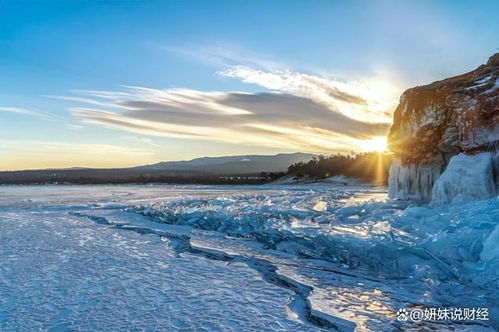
(240, 258)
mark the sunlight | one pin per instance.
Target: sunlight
(375, 144)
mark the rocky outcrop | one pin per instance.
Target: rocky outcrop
(435, 122)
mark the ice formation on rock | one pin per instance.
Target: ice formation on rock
(437, 121)
(414, 181)
(467, 177)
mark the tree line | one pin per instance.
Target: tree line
(370, 166)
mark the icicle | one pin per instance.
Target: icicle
(414, 181)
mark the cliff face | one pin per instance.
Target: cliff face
(435, 122)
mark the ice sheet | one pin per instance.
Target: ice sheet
(307, 257)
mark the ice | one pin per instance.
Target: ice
(467, 177)
(320, 206)
(286, 257)
(436, 249)
(491, 246)
(413, 181)
(67, 273)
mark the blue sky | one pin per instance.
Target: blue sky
(119, 83)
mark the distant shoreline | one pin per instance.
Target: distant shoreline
(337, 181)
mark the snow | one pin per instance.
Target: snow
(484, 79)
(337, 180)
(432, 115)
(345, 181)
(480, 83)
(493, 88)
(467, 177)
(241, 258)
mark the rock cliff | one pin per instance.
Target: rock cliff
(436, 122)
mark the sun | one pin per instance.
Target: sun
(375, 144)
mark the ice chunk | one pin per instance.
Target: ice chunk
(467, 177)
(491, 246)
(418, 212)
(320, 206)
(381, 227)
(436, 256)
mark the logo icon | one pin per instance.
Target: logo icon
(402, 315)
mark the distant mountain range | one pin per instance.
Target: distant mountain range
(233, 164)
(189, 171)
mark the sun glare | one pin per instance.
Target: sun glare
(376, 144)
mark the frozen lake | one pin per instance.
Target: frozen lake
(239, 258)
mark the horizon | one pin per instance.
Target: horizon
(160, 162)
(121, 84)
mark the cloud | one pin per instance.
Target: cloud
(296, 111)
(142, 140)
(31, 112)
(269, 119)
(19, 110)
(224, 55)
(372, 98)
(357, 100)
(301, 84)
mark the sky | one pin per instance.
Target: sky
(124, 83)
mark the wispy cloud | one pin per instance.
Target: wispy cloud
(364, 101)
(224, 55)
(369, 98)
(295, 111)
(142, 140)
(19, 110)
(31, 112)
(79, 100)
(266, 119)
